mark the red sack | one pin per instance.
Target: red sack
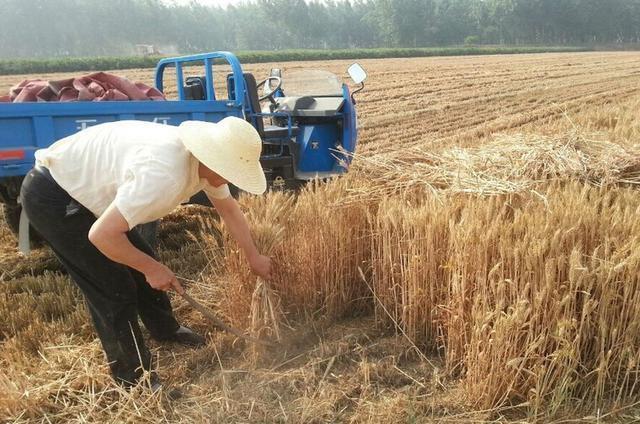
(99, 86)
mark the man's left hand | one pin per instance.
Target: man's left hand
(261, 266)
(237, 224)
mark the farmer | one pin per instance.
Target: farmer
(89, 191)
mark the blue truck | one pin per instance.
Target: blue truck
(307, 121)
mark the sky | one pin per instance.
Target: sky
(223, 3)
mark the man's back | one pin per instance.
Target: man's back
(94, 164)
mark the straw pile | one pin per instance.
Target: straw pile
(508, 164)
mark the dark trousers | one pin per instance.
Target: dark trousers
(115, 294)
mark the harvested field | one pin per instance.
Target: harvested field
(480, 263)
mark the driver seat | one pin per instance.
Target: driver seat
(267, 132)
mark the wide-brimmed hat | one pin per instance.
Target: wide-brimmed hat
(231, 148)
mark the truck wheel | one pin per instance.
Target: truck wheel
(11, 215)
(200, 198)
(149, 233)
(235, 191)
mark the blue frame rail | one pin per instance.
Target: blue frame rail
(208, 59)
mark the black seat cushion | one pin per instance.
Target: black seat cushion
(254, 100)
(272, 131)
(269, 131)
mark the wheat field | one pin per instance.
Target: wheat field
(479, 263)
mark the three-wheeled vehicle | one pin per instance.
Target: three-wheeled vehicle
(307, 121)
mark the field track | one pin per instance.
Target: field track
(415, 102)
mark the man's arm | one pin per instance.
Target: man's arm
(108, 234)
(235, 221)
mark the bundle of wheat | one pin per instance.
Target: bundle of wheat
(266, 311)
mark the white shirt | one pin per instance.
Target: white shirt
(141, 166)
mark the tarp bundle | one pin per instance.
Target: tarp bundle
(99, 86)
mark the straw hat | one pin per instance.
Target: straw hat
(231, 148)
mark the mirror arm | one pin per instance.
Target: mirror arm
(353, 99)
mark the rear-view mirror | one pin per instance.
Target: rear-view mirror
(356, 73)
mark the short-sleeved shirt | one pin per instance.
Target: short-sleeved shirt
(141, 166)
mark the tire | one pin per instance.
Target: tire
(200, 198)
(149, 233)
(11, 214)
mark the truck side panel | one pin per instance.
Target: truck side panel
(27, 127)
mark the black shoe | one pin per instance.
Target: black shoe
(185, 336)
(156, 386)
(155, 383)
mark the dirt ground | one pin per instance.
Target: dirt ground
(348, 371)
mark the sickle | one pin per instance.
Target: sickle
(218, 323)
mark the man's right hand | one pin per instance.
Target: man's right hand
(109, 236)
(160, 277)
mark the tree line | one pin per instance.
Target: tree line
(43, 28)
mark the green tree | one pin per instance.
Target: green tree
(32, 28)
